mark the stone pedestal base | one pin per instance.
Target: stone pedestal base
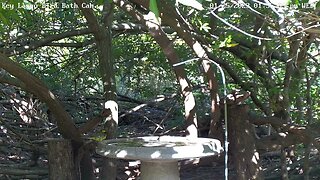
(161, 170)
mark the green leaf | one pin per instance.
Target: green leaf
(228, 42)
(100, 2)
(232, 45)
(204, 26)
(3, 19)
(154, 8)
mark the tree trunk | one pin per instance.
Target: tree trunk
(189, 100)
(32, 84)
(283, 161)
(61, 160)
(106, 65)
(167, 47)
(173, 18)
(108, 167)
(242, 144)
(86, 166)
(103, 36)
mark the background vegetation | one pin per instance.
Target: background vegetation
(61, 62)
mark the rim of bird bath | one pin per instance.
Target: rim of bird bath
(159, 148)
(159, 155)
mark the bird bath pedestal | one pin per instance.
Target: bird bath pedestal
(159, 155)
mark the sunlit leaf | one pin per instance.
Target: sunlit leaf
(154, 8)
(280, 2)
(192, 3)
(205, 27)
(232, 45)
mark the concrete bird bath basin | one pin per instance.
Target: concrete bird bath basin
(159, 155)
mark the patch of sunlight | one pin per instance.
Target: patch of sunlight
(122, 154)
(255, 158)
(51, 95)
(156, 154)
(282, 134)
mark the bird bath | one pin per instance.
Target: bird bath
(159, 155)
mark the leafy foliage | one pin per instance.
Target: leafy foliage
(271, 51)
(142, 71)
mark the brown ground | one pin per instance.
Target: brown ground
(16, 154)
(189, 170)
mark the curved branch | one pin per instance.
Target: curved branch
(38, 88)
(238, 29)
(7, 79)
(48, 40)
(90, 17)
(28, 46)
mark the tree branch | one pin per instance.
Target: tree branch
(29, 46)
(26, 46)
(90, 17)
(38, 88)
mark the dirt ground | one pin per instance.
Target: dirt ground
(189, 170)
(31, 163)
